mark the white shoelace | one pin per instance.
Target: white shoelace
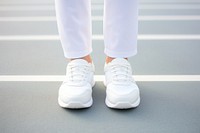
(77, 73)
(121, 73)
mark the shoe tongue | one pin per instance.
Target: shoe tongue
(119, 61)
(78, 61)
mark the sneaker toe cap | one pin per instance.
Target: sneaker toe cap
(75, 93)
(117, 93)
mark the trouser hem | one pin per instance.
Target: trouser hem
(119, 54)
(78, 54)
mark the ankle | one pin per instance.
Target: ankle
(87, 58)
(109, 59)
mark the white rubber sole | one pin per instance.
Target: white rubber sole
(122, 104)
(75, 104)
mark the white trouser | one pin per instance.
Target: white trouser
(120, 27)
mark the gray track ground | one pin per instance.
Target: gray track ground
(166, 107)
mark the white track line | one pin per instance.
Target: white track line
(97, 7)
(159, 18)
(169, 17)
(39, 8)
(168, 6)
(100, 37)
(27, 8)
(28, 37)
(28, 18)
(169, 37)
(100, 18)
(56, 78)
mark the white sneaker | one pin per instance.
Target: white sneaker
(76, 89)
(121, 90)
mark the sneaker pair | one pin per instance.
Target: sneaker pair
(121, 90)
